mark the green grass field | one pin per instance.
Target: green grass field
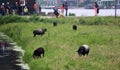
(61, 43)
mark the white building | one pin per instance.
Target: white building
(108, 3)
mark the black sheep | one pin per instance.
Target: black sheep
(54, 23)
(39, 31)
(38, 52)
(83, 50)
(74, 27)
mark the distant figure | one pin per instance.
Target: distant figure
(96, 8)
(39, 9)
(16, 8)
(66, 8)
(35, 6)
(8, 8)
(62, 9)
(25, 10)
(2, 9)
(56, 11)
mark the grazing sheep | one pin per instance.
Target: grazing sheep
(39, 31)
(83, 50)
(54, 23)
(38, 52)
(74, 27)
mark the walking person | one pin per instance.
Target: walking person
(56, 11)
(96, 8)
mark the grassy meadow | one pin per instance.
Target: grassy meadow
(61, 43)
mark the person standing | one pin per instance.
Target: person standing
(35, 7)
(3, 9)
(66, 8)
(8, 8)
(62, 9)
(39, 9)
(25, 10)
(16, 7)
(96, 8)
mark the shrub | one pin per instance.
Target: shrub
(11, 19)
(34, 18)
(71, 14)
(95, 21)
(14, 31)
(79, 20)
(82, 21)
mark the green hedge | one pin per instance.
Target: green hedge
(72, 20)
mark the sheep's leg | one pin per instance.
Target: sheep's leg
(43, 54)
(40, 56)
(34, 35)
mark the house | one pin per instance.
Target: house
(108, 3)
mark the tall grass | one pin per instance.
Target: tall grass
(61, 43)
(73, 20)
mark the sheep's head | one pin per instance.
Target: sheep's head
(83, 50)
(44, 29)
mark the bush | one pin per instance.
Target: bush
(71, 14)
(14, 31)
(79, 20)
(12, 19)
(82, 21)
(34, 18)
(96, 21)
